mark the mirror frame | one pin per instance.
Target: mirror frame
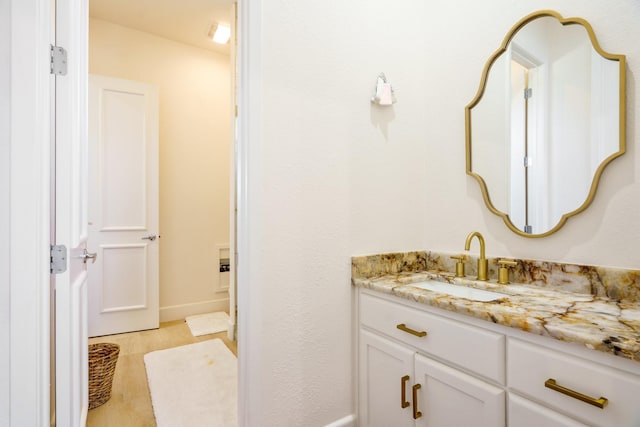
(483, 82)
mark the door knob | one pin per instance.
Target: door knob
(151, 237)
(89, 255)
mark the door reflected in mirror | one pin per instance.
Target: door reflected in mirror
(547, 118)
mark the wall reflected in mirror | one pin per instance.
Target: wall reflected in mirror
(548, 116)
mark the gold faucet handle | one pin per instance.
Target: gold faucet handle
(459, 264)
(503, 271)
(507, 262)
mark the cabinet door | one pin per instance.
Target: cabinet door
(524, 413)
(383, 365)
(451, 398)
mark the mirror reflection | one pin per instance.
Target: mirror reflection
(548, 117)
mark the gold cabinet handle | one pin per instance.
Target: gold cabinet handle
(416, 414)
(600, 403)
(404, 328)
(403, 383)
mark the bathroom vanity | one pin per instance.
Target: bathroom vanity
(561, 345)
(545, 354)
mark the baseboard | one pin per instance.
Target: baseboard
(348, 421)
(177, 312)
(231, 330)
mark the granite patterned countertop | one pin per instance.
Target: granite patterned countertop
(598, 322)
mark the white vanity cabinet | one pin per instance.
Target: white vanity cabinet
(466, 373)
(402, 383)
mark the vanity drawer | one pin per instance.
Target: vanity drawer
(469, 347)
(530, 366)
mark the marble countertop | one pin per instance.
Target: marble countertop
(598, 322)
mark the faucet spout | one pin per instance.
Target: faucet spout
(483, 264)
(470, 237)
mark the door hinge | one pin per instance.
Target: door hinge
(527, 161)
(58, 61)
(528, 93)
(58, 259)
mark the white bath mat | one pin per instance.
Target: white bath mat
(209, 323)
(193, 385)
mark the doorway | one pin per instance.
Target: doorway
(195, 140)
(168, 46)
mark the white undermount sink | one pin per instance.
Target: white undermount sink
(459, 291)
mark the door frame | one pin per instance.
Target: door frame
(29, 226)
(247, 154)
(30, 208)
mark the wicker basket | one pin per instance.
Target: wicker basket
(102, 364)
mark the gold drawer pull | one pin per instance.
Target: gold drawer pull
(404, 328)
(600, 403)
(416, 414)
(403, 384)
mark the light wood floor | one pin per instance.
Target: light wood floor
(130, 403)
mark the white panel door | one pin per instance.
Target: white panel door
(123, 206)
(70, 201)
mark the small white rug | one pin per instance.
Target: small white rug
(209, 323)
(193, 385)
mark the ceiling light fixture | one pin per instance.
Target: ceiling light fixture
(220, 33)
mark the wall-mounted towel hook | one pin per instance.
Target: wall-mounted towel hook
(384, 94)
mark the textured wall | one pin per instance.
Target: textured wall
(194, 150)
(331, 176)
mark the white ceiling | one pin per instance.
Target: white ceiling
(186, 21)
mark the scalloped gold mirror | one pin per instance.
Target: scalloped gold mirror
(548, 117)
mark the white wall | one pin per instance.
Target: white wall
(330, 176)
(194, 156)
(5, 211)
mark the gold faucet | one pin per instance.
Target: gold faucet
(483, 264)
